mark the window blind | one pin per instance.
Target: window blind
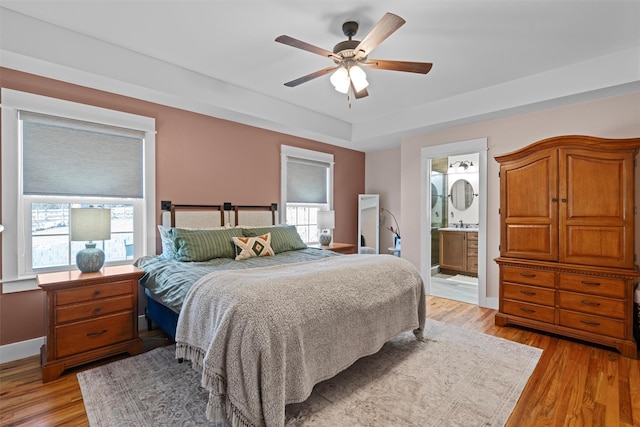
(306, 181)
(65, 157)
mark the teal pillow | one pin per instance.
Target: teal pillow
(283, 237)
(203, 245)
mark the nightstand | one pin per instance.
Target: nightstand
(89, 316)
(342, 248)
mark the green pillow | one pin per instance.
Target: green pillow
(203, 245)
(283, 237)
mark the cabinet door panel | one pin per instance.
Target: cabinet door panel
(595, 214)
(529, 207)
(453, 250)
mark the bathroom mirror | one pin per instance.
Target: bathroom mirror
(434, 195)
(461, 194)
(368, 223)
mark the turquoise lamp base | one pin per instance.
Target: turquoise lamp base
(325, 239)
(90, 259)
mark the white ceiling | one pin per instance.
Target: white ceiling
(490, 58)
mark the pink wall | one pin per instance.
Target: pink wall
(383, 168)
(199, 160)
(612, 117)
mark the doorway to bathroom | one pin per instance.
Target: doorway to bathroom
(454, 221)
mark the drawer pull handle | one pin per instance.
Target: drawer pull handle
(97, 310)
(530, 293)
(527, 275)
(586, 322)
(588, 283)
(93, 334)
(592, 304)
(96, 293)
(527, 310)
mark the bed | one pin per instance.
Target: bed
(263, 330)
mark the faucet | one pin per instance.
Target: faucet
(461, 224)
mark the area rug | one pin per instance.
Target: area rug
(457, 377)
(468, 280)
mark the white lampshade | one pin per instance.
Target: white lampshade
(89, 224)
(326, 220)
(358, 78)
(340, 80)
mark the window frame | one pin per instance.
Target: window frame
(287, 151)
(15, 274)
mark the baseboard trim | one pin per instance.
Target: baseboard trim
(492, 303)
(22, 349)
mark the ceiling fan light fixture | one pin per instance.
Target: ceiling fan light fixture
(340, 80)
(358, 78)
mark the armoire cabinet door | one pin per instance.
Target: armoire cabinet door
(595, 213)
(529, 207)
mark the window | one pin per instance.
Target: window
(306, 188)
(59, 155)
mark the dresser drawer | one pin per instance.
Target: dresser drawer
(528, 276)
(92, 292)
(600, 306)
(596, 324)
(472, 264)
(530, 311)
(472, 245)
(71, 312)
(605, 286)
(530, 294)
(92, 334)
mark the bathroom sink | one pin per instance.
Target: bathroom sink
(458, 229)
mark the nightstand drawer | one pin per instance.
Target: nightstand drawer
(89, 293)
(91, 309)
(78, 337)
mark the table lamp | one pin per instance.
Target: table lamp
(326, 222)
(89, 224)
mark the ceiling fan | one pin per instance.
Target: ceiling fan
(350, 55)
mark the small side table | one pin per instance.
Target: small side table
(89, 316)
(342, 248)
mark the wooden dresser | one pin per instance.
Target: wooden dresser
(89, 316)
(567, 215)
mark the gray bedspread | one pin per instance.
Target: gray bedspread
(169, 280)
(262, 338)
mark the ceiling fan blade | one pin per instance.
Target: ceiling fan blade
(304, 79)
(290, 41)
(383, 29)
(411, 67)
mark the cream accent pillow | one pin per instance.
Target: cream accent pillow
(248, 247)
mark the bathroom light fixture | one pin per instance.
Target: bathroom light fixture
(465, 164)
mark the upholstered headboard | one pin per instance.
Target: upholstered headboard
(227, 214)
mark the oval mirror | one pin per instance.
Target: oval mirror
(434, 196)
(461, 194)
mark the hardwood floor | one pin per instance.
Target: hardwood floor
(574, 384)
